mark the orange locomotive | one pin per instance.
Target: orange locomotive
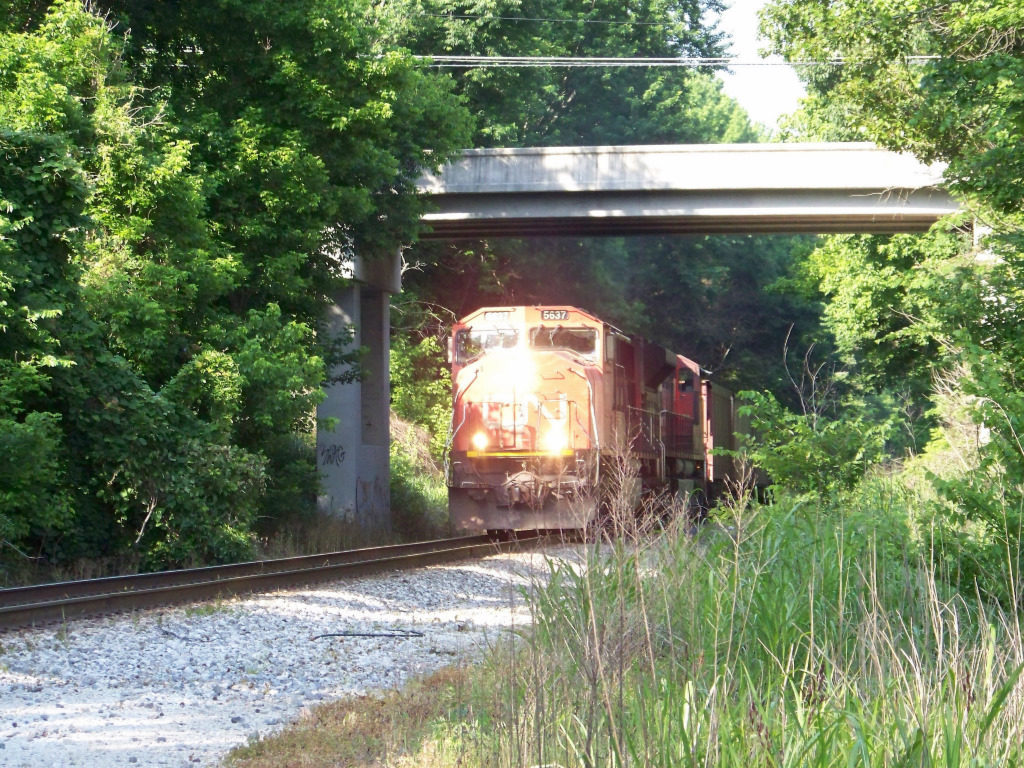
(545, 399)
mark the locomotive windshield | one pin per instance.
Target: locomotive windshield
(580, 340)
(470, 343)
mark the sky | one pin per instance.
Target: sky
(765, 92)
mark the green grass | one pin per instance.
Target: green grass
(789, 636)
(419, 500)
(419, 496)
(782, 636)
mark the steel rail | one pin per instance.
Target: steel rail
(45, 603)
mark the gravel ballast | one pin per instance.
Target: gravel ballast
(182, 686)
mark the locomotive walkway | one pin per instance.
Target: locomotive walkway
(705, 188)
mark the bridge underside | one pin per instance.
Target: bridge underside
(576, 214)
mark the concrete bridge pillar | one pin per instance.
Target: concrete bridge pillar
(354, 458)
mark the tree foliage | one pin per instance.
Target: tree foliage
(41, 194)
(894, 304)
(551, 106)
(942, 81)
(179, 185)
(421, 386)
(808, 452)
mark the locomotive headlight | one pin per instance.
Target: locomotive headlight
(480, 441)
(555, 440)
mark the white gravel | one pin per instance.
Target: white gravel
(181, 686)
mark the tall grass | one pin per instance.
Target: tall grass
(419, 496)
(784, 636)
(789, 635)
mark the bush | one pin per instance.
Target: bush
(419, 496)
(975, 462)
(421, 388)
(810, 453)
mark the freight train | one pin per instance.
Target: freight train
(549, 401)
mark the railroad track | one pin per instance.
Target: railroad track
(45, 603)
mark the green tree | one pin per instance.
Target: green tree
(550, 106)
(820, 451)
(179, 188)
(893, 304)
(421, 387)
(83, 213)
(942, 81)
(309, 148)
(41, 194)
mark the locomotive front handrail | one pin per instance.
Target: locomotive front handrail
(451, 437)
(593, 417)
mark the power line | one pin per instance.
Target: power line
(948, 4)
(481, 17)
(466, 62)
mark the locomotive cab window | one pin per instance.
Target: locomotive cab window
(583, 341)
(470, 343)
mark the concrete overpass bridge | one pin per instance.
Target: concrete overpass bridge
(691, 189)
(705, 188)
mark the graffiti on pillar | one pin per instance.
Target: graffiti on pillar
(332, 455)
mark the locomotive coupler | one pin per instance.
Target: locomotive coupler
(524, 488)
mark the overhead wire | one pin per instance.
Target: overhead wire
(460, 61)
(452, 61)
(484, 17)
(915, 14)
